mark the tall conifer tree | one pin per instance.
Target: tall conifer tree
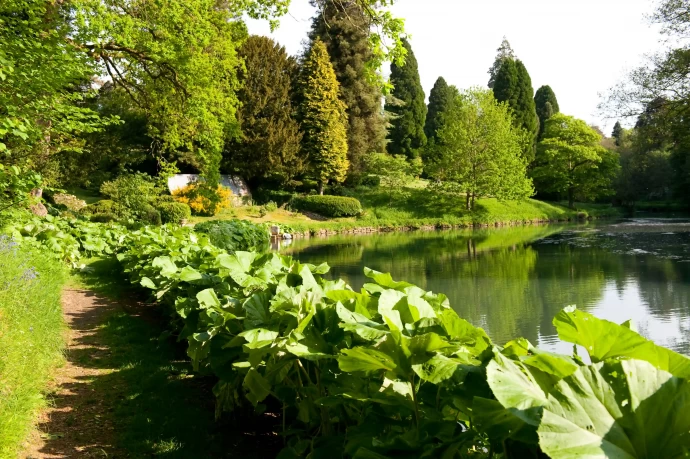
(270, 142)
(547, 106)
(323, 120)
(406, 135)
(345, 29)
(617, 132)
(440, 100)
(514, 86)
(505, 51)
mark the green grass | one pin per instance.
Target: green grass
(31, 339)
(421, 207)
(157, 405)
(88, 196)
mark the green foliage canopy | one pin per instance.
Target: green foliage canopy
(479, 149)
(570, 159)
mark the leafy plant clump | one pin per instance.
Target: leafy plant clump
(234, 235)
(392, 371)
(67, 239)
(328, 206)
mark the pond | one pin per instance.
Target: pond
(512, 282)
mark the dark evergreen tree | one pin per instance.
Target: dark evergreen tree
(546, 105)
(345, 28)
(406, 135)
(269, 145)
(514, 86)
(440, 99)
(617, 133)
(502, 53)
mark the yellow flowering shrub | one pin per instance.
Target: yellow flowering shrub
(202, 199)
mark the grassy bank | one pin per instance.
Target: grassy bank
(423, 208)
(31, 338)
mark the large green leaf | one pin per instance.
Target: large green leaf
(388, 302)
(258, 388)
(437, 369)
(257, 310)
(513, 385)
(617, 409)
(364, 359)
(606, 340)
(385, 280)
(166, 265)
(208, 299)
(359, 324)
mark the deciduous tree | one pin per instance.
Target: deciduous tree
(479, 150)
(571, 160)
(323, 120)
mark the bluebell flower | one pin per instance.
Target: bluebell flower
(7, 244)
(29, 274)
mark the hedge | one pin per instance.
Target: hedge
(263, 196)
(328, 206)
(174, 212)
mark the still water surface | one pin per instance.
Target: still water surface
(513, 281)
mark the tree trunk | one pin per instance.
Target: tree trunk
(321, 187)
(468, 204)
(571, 199)
(473, 200)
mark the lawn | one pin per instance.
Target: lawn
(421, 207)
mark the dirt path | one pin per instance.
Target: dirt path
(127, 390)
(77, 425)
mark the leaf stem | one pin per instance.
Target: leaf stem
(414, 399)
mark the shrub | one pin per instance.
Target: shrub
(31, 337)
(150, 215)
(134, 191)
(202, 199)
(104, 218)
(263, 196)
(371, 181)
(173, 212)
(106, 210)
(328, 206)
(235, 235)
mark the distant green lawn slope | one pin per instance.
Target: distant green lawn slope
(421, 207)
